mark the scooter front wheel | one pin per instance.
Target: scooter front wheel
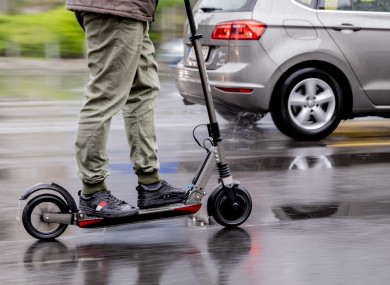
(227, 213)
(34, 211)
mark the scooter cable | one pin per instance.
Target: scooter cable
(204, 141)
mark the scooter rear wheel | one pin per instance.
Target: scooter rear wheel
(34, 211)
(221, 208)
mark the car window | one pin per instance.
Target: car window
(371, 5)
(335, 5)
(308, 3)
(226, 5)
(356, 5)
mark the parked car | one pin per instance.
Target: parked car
(170, 52)
(311, 63)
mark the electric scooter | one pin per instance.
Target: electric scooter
(47, 215)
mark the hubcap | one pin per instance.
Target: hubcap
(311, 104)
(37, 217)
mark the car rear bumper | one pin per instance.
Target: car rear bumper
(228, 76)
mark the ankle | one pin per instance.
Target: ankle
(148, 178)
(90, 189)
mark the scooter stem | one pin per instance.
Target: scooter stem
(195, 37)
(213, 127)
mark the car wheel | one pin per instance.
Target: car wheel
(308, 105)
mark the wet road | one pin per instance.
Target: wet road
(321, 210)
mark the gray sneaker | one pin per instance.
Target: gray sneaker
(159, 194)
(103, 204)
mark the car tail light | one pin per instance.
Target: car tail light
(239, 30)
(235, 90)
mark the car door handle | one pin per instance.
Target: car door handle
(348, 27)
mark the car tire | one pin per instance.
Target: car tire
(307, 105)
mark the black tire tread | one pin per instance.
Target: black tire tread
(27, 211)
(279, 110)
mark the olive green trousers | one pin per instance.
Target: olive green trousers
(123, 77)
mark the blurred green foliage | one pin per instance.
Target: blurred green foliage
(29, 35)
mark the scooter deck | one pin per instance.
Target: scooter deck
(174, 210)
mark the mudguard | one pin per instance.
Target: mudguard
(54, 187)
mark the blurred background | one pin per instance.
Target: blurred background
(40, 39)
(321, 210)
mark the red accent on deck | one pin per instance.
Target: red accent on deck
(85, 224)
(190, 209)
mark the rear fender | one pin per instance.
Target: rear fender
(54, 187)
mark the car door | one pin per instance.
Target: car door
(361, 29)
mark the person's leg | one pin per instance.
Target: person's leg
(139, 117)
(113, 54)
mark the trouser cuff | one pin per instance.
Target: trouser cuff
(148, 178)
(93, 188)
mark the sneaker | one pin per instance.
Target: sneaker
(104, 204)
(159, 194)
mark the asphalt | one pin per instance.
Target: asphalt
(320, 209)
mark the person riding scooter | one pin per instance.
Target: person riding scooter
(123, 77)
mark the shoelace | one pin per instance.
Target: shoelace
(172, 186)
(110, 198)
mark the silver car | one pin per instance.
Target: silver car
(311, 63)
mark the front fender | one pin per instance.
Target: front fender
(54, 187)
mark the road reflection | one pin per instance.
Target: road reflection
(114, 263)
(228, 249)
(365, 209)
(305, 211)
